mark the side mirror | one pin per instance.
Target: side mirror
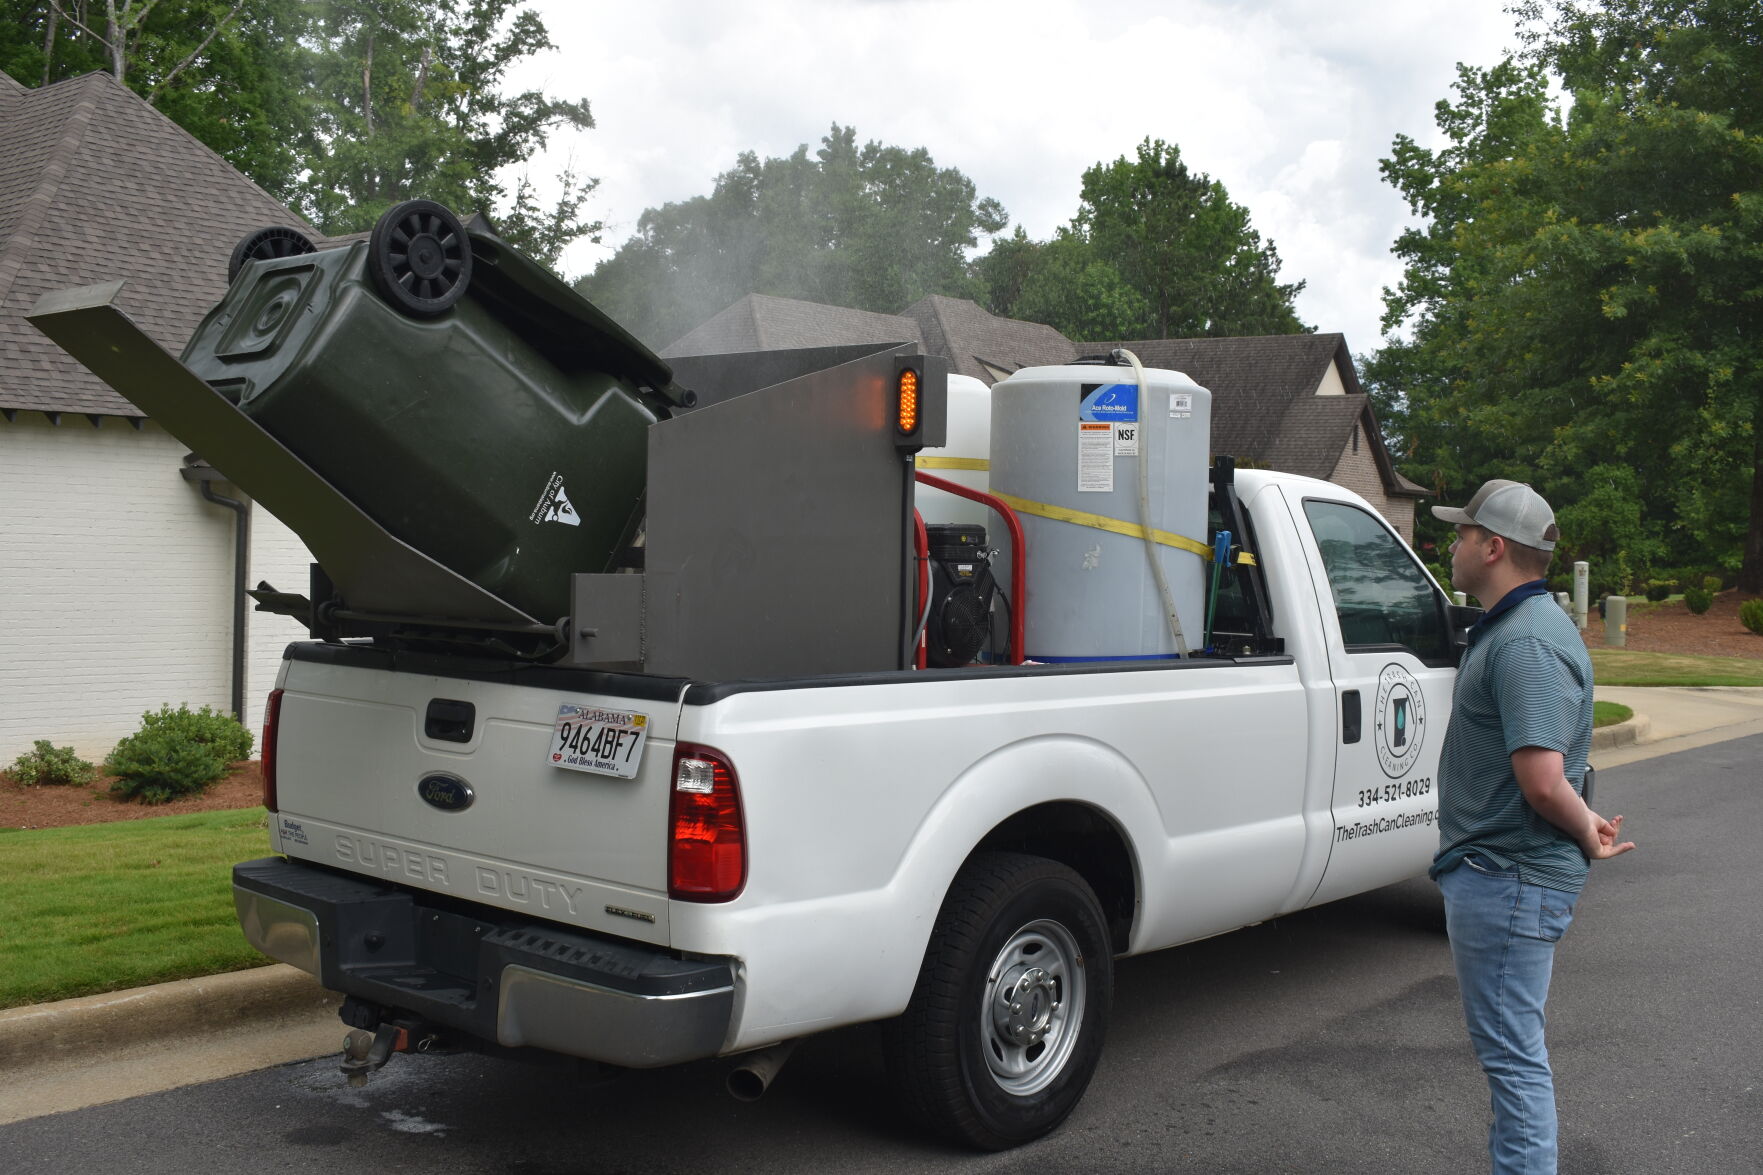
(1460, 617)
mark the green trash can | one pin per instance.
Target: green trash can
(471, 403)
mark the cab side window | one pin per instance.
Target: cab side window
(1381, 594)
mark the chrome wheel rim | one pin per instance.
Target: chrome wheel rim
(1033, 1007)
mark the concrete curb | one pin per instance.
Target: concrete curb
(185, 1007)
(1635, 730)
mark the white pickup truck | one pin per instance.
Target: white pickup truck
(962, 852)
(537, 784)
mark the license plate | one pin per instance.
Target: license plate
(605, 742)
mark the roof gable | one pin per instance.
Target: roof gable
(1310, 435)
(1254, 381)
(100, 186)
(764, 322)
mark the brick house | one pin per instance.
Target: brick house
(116, 576)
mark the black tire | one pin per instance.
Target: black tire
(1007, 1021)
(419, 258)
(267, 244)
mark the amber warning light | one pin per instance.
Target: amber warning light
(908, 402)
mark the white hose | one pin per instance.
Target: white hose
(1151, 553)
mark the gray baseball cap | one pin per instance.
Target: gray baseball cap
(1511, 510)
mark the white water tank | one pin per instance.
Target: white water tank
(964, 460)
(1067, 442)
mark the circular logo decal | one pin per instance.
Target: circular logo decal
(449, 793)
(1401, 720)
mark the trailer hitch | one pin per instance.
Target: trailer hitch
(374, 1036)
(365, 1051)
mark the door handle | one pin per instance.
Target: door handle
(449, 721)
(1350, 719)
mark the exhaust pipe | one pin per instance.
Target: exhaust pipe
(753, 1075)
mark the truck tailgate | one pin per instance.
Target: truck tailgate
(355, 741)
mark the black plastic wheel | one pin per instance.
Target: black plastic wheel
(1006, 1024)
(419, 258)
(267, 244)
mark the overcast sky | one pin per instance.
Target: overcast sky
(1290, 103)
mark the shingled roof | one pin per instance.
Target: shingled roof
(761, 322)
(98, 186)
(980, 344)
(1265, 406)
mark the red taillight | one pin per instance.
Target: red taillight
(272, 711)
(706, 840)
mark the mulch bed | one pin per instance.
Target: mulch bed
(1669, 627)
(56, 807)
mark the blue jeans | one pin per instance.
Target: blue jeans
(1503, 934)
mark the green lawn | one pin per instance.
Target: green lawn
(100, 907)
(1627, 667)
(1610, 713)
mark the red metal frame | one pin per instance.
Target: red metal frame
(1018, 584)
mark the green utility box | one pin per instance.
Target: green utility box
(469, 402)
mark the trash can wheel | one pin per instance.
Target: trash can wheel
(419, 258)
(267, 244)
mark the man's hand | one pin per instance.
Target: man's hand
(1605, 845)
(1545, 788)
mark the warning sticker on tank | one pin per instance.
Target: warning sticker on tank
(554, 504)
(1095, 458)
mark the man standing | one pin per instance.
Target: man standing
(1515, 834)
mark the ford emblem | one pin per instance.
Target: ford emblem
(449, 793)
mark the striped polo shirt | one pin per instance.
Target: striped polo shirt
(1525, 681)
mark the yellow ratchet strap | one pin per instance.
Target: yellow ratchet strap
(1131, 530)
(975, 463)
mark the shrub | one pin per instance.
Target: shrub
(1711, 583)
(1658, 589)
(48, 764)
(1698, 600)
(1683, 577)
(176, 753)
(1751, 615)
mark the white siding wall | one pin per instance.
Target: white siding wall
(115, 585)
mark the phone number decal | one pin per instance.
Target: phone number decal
(1389, 793)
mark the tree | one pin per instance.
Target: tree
(338, 107)
(407, 102)
(1068, 286)
(872, 227)
(227, 71)
(1155, 251)
(1584, 296)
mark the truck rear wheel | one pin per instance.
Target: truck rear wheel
(1006, 1023)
